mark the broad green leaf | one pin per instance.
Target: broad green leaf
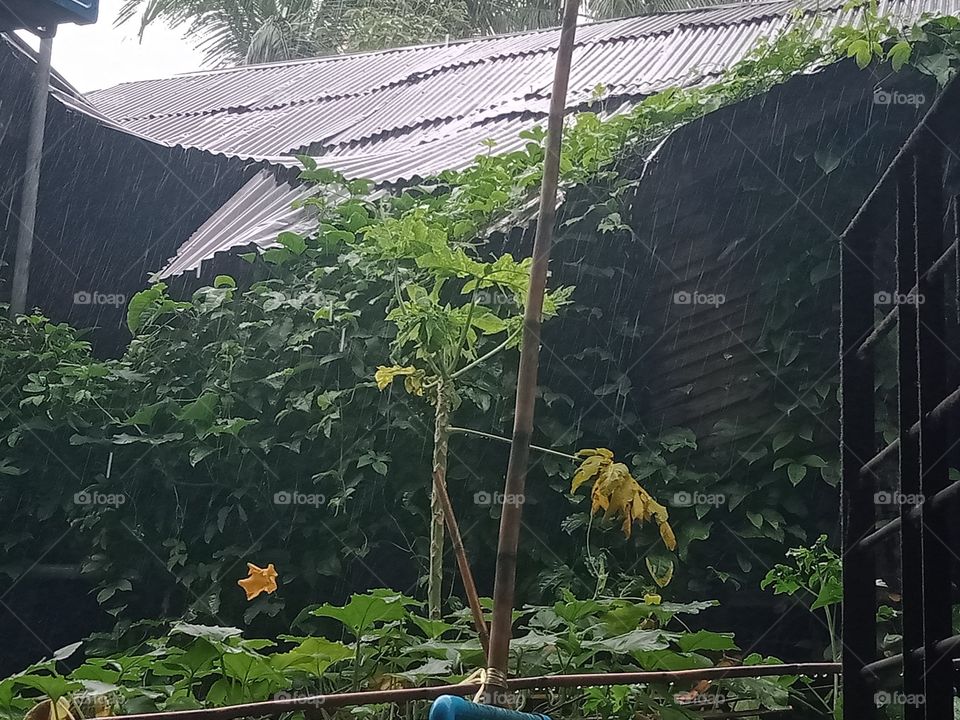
(292, 242)
(146, 414)
(899, 54)
(671, 660)
(633, 641)
(781, 440)
(212, 633)
(796, 472)
(706, 640)
(814, 461)
(831, 593)
(201, 410)
(431, 628)
(53, 686)
(140, 303)
(365, 611)
(433, 668)
(677, 438)
(313, 655)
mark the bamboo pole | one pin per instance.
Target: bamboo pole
(314, 706)
(506, 570)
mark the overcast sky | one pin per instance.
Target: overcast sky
(97, 56)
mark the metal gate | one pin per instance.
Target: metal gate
(911, 195)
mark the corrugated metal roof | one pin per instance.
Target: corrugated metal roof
(277, 109)
(325, 103)
(398, 114)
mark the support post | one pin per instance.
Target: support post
(31, 178)
(908, 413)
(857, 440)
(505, 576)
(937, 666)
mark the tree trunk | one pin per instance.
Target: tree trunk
(440, 439)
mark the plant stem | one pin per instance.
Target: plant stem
(356, 664)
(486, 356)
(490, 436)
(435, 562)
(463, 333)
(833, 656)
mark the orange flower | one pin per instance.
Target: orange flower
(259, 580)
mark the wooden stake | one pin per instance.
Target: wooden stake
(505, 578)
(466, 574)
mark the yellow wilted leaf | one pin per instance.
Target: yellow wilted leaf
(385, 375)
(259, 580)
(652, 599)
(49, 710)
(666, 534)
(587, 470)
(413, 384)
(102, 707)
(602, 452)
(618, 494)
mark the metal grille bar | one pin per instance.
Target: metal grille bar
(925, 411)
(857, 443)
(938, 415)
(908, 415)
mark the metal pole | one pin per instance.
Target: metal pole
(31, 178)
(316, 707)
(505, 577)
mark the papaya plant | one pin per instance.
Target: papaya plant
(452, 312)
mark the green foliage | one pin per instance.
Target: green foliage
(192, 427)
(243, 394)
(818, 573)
(815, 570)
(380, 639)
